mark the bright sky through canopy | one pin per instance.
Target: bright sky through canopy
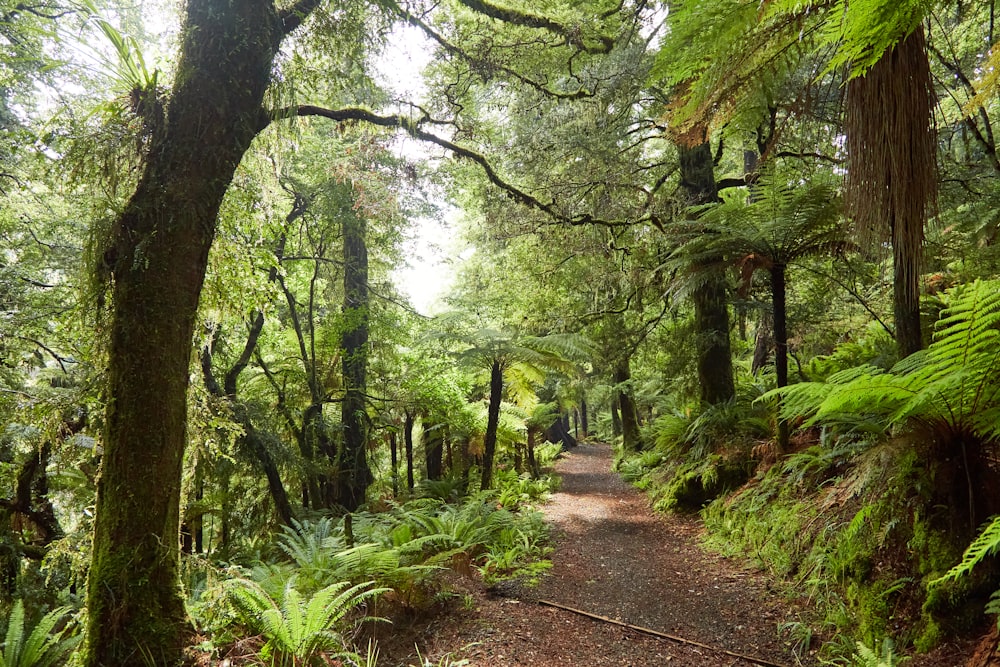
(427, 275)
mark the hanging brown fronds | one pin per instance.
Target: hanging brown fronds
(892, 171)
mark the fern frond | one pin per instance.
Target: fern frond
(986, 544)
(299, 628)
(43, 646)
(15, 634)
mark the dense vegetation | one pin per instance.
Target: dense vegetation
(752, 244)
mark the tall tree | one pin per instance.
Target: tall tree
(711, 308)
(157, 255)
(353, 472)
(782, 224)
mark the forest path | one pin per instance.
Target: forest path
(615, 558)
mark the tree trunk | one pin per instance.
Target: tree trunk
(158, 255)
(434, 450)
(251, 438)
(711, 313)
(907, 255)
(763, 342)
(616, 419)
(584, 424)
(353, 472)
(449, 460)
(492, 423)
(466, 463)
(408, 444)
(892, 170)
(394, 455)
(780, 344)
(532, 462)
(558, 432)
(629, 419)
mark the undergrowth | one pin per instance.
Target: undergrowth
(306, 594)
(890, 473)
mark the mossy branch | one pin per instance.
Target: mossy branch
(413, 127)
(524, 19)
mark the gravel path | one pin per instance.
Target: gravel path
(615, 558)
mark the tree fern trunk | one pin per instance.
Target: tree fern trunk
(780, 344)
(492, 423)
(892, 171)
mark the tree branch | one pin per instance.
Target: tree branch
(481, 64)
(515, 17)
(413, 128)
(292, 16)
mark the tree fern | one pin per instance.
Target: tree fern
(951, 389)
(298, 629)
(43, 646)
(986, 544)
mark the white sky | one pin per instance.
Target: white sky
(428, 274)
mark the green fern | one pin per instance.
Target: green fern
(986, 544)
(952, 388)
(43, 646)
(297, 629)
(869, 657)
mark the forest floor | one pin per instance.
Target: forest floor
(615, 558)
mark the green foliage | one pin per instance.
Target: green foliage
(298, 629)
(987, 543)
(883, 655)
(697, 455)
(848, 525)
(43, 645)
(785, 221)
(546, 454)
(951, 389)
(515, 490)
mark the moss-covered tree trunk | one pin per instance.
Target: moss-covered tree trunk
(157, 255)
(353, 472)
(629, 418)
(711, 311)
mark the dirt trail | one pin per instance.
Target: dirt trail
(614, 558)
(617, 559)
